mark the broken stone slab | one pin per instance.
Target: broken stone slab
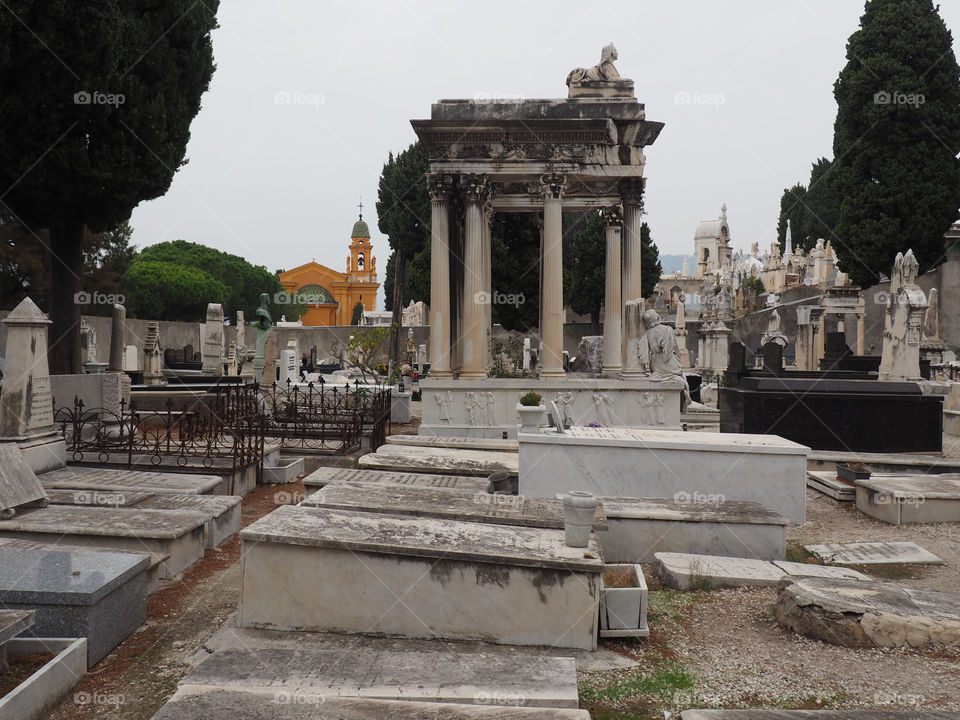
(872, 553)
(434, 677)
(827, 482)
(222, 513)
(899, 499)
(449, 461)
(18, 484)
(153, 572)
(444, 503)
(180, 535)
(97, 498)
(111, 480)
(99, 596)
(641, 527)
(685, 571)
(206, 703)
(326, 475)
(12, 623)
(462, 443)
(854, 613)
(418, 577)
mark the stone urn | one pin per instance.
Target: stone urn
(530, 417)
(579, 509)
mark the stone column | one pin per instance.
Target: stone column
(631, 191)
(551, 270)
(474, 297)
(440, 186)
(819, 333)
(117, 343)
(861, 334)
(613, 298)
(488, 213)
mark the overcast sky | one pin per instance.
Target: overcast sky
(745, 88)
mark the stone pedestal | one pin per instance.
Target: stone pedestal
(213, 340)
(26, 403)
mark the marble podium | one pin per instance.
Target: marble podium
(694, 466)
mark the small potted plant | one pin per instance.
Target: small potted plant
(531, 411)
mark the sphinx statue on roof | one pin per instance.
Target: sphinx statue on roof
(601, 80)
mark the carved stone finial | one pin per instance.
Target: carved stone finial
(910, 268)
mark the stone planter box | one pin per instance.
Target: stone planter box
(531, 417)
(623, 610)
(284, 471)
(34, 697)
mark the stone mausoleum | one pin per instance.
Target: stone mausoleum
(543, 156)
(330, 296)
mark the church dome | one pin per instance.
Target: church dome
(360, 229)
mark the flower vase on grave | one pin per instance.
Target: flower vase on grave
(579, 509)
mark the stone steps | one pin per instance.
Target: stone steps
(370, 673)
(204, 704)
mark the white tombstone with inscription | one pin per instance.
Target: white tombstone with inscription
(26, 404)
(289, 365)
(213, 340)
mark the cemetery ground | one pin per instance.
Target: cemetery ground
(707, 647)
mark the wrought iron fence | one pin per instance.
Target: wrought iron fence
(321, 416)
(224, 431)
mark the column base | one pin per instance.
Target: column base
(472, 375)
(632, 374)
(553, 375)
(612, 370)
(441, 374)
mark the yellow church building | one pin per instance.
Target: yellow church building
(330, 296)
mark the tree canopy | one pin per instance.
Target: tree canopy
(896, 139)
(96, 101)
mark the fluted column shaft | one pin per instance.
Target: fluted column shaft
(613, 297)
(475, 298)
(631, 192)
(440, 277)
(551, 268)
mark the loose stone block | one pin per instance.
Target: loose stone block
(99, 596)
(179, 535)
(827, 482)
(418, 577)
(627, 462)
(854, 613)
(899, 499)
(443, 503)
(450, 461)
(221, 512)
(437, 676)
(18, 483)
(326, 475)
(641, 527)
(872, 553)
(204, 704)
(123, 481)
